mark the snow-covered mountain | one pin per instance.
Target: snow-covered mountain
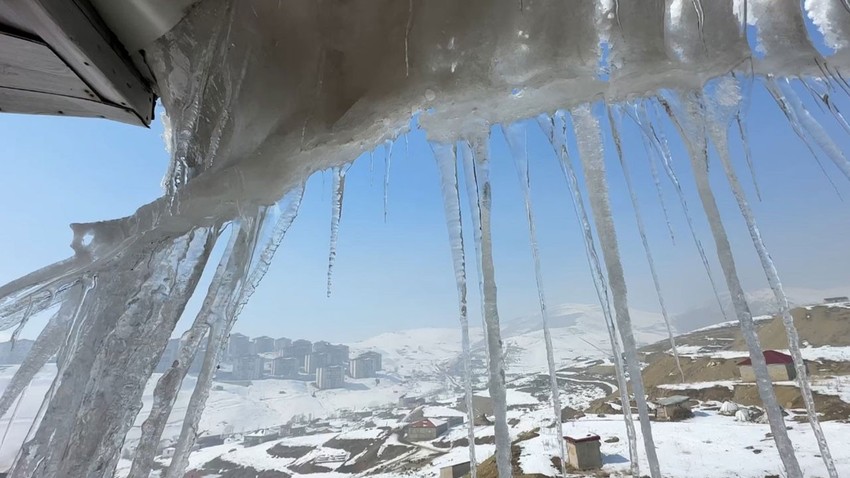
(578, 331)
(761, 302)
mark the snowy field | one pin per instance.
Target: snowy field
(706, 446)
(231, 408)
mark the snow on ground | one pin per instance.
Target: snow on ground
(730, 384)
(838, 386)
(706, 446)
(514, 397)
(437, 412)
(231, 408)
(416, 350)
(731, 323)
(827, 352)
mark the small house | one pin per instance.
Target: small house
(584, 453)
(261, 436)
(780, 367)
(455, 471)
(673, 408)
(425, 430)
(482, 407)
(405, 401)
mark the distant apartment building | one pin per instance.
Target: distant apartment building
(286, 367)
(316, 360)
(282, 344)
(263, 345)
(321, 346)
(338, 354)
(299, 349)
(248, 367)
(330, 377)
(361, 367)
(376, 359)
(364, 365)
(238, 345)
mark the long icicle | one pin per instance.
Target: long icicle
(695, 141)
(589, 138)
(446, 158)
(468, 161)
(801, 118)
(651, 152)
(484, 247)
(798, 129)
(231, 305)
(557, 138)
(741, 121)
(719, 119)
(660, 142)
(48, 342)
(336, 215)
(517, 138)
(615, 133)
(388, 149)
(168, 386)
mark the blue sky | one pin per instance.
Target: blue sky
(398, 275)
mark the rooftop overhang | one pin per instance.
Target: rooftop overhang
(82, 57)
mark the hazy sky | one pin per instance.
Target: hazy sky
(398, 274)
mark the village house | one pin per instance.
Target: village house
(425, 430)
(261, 436)
(455, 471)
(673, 408)
(584, 453)
(405, 401)
(482, 406)
(780, 367)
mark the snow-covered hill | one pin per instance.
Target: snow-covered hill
(578, 330)
(761, 302)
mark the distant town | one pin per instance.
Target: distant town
(321, 362)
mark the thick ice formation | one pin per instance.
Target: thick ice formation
(261, 94)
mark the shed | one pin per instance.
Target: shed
(455, 471)
(584, 453)
(780, 367)
(428, 429)
(673, 408)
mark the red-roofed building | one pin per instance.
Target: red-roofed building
(780, 367)
(428, 429)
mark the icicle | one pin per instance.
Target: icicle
(517, 138)
(487, 280)
(388, 147)
(168, 386)
(726, 99)
(446, 158)
(805, 125)
(663, 149)
(650, 156)
(475, 215)
(740, 119)
(108, 364)
(46, 345)
(557, 138)
(336, 215)
(694, 138)
(227, 307)
(615, 133)
(590, 150)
